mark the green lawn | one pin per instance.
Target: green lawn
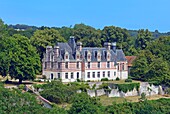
(105, 101)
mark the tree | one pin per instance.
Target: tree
(144, 37)
(88, 35)
(84, 104)
(45, 37)
(19, 58)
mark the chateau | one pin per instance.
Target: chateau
(70, 61)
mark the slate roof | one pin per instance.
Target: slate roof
(70, 47)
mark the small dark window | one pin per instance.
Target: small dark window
(66, 75)
(59, 75)
(114, 73)
(88, 65)
(66, 65)
(108, 73)
(98, 64)
(88, 74)
(103, 73)
(93, 74)
(59, 65)
(52, 76)
(52, 64)
(98, 74)
(78, 57)
(108, 64)
(45, 65)
(66, 56)
(123, 66)
(88, 56)
(77, 64)
(77, 75)
(72, 75)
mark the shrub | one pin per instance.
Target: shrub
(104, 79)
(88, 80)
(44, 77)
(78, 80)
(21, 86)
(117, 79)
(128, 80)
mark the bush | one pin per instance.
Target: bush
(117, 79)
(44, 77)
(104, 79)
(21, 86)
(128, 80)
(78, 80)
(88, 80)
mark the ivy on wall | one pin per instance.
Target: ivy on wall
(126, 87)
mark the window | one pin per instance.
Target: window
(98, 74)
(77, 75)
(66, 56)
(98, 57)
(93, 74)
(78, 57)
(66, 65)
(51, 75)
(66, 75)
(108, 73)
(108, 56)
(88, 65)
(114, 73)
(98, 65)
(77, 64)
(59, 65)
(108, 64)
(123, 66)
(51, 64)
(59, 75)
(45, 65)
(72, 75)
(88, 56)
(103, 73)
(88, 74)
(118, 66)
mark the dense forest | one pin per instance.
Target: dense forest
(22, 48)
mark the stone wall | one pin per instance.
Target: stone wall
(145, 87)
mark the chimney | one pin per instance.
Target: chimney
(48, 53)
(79, 46)
(113, 46)
(72, 43)
(107, 45)
(56, 52)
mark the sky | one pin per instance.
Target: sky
(129, 14)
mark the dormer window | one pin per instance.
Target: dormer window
(88, 56)
(66, 56)
(78, 57)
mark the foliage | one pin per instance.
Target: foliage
(104, 79)
(143, 97)
(18, 58)
(128, 80)
(84, 104)
(153, 64)
(128, 87)
(21, 86)
(117, 79)
(43, 38)
(144, 37)
(16, 102)
(160, 106)
(58, 93)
